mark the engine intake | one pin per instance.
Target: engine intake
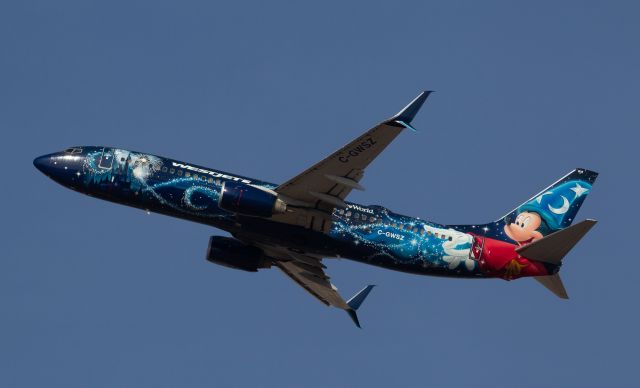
(229, 252)
(248, 200)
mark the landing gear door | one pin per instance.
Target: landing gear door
(106, 159)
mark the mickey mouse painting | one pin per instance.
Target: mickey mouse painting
(546, 213)
(525, 228)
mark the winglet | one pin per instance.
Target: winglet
(407, 114)
(355, 302)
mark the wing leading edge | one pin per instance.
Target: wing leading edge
(314, 193)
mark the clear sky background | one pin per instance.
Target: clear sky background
(93, 294)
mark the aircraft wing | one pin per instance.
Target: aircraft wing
(322, 187)
(308, 272)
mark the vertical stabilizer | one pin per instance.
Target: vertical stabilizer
(551, 210)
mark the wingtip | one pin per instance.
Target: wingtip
(354, 317)
(356, 301)
(409, 112)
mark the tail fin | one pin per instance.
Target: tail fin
(551, 210)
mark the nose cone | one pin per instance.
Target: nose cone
(62, 167)
(44, 163)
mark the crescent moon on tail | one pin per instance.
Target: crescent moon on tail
(562, 209)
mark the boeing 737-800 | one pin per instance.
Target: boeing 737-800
(296, 225)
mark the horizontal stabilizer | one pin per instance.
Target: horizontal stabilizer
(554, 284)
(355, 302)
(552, 248)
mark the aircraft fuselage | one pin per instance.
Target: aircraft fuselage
(368, 234)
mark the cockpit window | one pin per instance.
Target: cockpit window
(73, 150)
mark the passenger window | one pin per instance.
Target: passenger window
(407, 227)
(348, 213)
(172, 171)
(204, 178)
(437, 235)
(179, 172)
(372, 219)
(393, 224)
(450, 238)
(187, 174)
(400, 226)
(415, 230)
(444, 237)
(356, 216)
(210, 180)
(195, 176)
(421, 232)
(164, 169)
(379, 221)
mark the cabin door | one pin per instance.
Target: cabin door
(106, 159)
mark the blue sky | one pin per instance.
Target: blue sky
(95, 294)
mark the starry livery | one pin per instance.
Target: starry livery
(295, 225)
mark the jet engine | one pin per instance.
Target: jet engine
(232, 253)
(249, 200)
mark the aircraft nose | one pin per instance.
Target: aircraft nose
(43, 163)
(62, 167)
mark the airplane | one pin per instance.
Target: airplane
(296, 225)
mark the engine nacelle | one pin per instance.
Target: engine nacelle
(248, 200)
(232, 253)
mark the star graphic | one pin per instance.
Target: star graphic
(513, 269)
(579, 190)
